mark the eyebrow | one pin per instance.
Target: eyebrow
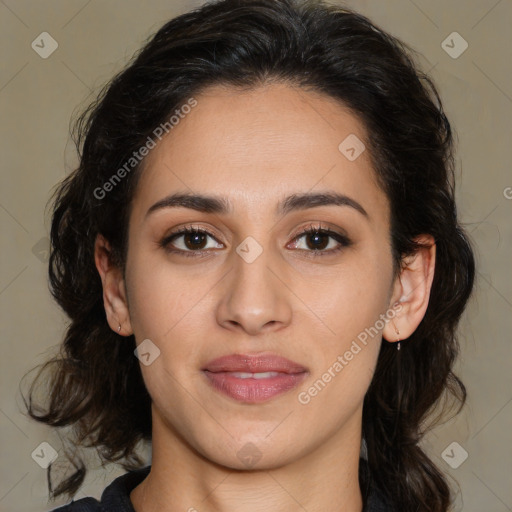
(222, 206)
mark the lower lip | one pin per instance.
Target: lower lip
(253, 390)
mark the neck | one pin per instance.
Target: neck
(181, 479)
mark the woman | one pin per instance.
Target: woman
(262, 263)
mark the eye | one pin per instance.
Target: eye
(189, 241)
(320, 241)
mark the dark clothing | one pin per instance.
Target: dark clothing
(116, 497)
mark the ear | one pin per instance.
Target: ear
(412, 290)
(114, 291)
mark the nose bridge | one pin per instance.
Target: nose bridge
(254, 297)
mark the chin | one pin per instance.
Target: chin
(253, 452)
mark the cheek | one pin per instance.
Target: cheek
(350, 305)
(161, 300)
(169, 308)
(345, 358)
(350, 298)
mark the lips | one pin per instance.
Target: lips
(253, 364)
(253, 378)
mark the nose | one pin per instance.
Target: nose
(255, 297)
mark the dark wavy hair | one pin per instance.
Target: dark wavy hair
(95, 385)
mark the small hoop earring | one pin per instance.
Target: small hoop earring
(397, 337)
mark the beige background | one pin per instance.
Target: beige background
(95, 38)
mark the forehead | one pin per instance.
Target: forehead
(256, 146)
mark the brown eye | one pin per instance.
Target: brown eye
(320, 241)
(317, 240)
(194, 240)
(188, 241)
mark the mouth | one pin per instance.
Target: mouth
(253, 378)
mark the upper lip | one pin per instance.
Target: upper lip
(253, 364)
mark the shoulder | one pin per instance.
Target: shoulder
(115, 497)
(82, 505)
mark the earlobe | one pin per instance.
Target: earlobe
(114, 291)
(412, 290)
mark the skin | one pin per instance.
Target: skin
(255, 148)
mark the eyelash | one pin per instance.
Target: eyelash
(343, 240)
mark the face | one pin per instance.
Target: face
(250, 281)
